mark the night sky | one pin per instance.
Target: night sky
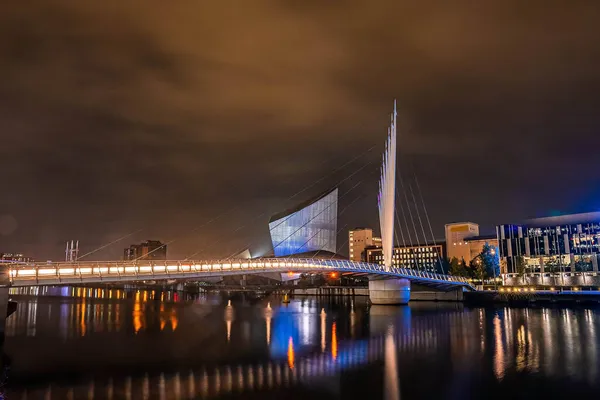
(160, 116)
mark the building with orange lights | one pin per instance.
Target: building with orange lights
(358, 240)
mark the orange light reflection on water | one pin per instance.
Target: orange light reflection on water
(174, 320)
(82, 324)
(137, 317)
(334, 344)
(290, 353)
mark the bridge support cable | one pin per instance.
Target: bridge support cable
(290, 198)
(263, 213)
(418, 213)
(108, 244)
(315, 216)
(339, 230)
(412, 220)
(412, 245)
(400, 229)
(291, 215)
(331, 220)
(426, 241)
(193, 230)
(405, 221)
(332, 172)
(439, 256)
(338, 249)
(336, 185)
(294, 195)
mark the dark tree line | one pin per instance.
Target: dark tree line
(486, 265)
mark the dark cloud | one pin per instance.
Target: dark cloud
(159, 116)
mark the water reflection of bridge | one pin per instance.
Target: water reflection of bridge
(229, 379)
(548, 341)
(412, 335)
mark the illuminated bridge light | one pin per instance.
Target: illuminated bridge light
(48, 271)
(67, 271)
(112, 271)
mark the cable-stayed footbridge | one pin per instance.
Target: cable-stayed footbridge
(389, 283)
(73, 273)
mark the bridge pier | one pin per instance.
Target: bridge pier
(389, 291)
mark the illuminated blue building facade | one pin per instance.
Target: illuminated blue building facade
(566, 243)
(311, 226)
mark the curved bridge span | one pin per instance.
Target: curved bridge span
(115, 271)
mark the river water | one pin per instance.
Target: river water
(69, 343)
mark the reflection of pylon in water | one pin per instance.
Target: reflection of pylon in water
(229, 317)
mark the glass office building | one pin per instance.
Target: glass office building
(310, 226)
(567, 243)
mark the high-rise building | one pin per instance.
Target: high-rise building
(310, 226)
(148, 250)
(456, 243)
(566, 243)
(358, 240)
(426, 257)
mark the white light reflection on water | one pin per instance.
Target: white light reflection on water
(392, 386)
(530, 341)
(499, 362)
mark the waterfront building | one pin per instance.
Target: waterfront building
(426, 257)
(358, 240)
(566, 243)
(475, 245)
(456, 239)
(148, 250)
(310, 226)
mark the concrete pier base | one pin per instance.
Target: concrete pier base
(389, 291)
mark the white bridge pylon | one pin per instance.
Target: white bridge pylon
(387, 194)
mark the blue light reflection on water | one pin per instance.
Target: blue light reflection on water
(298, 321)
(285, 326)
(445, 343)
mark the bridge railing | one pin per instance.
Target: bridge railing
(115, 270)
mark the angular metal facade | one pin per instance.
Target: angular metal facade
(310, 227)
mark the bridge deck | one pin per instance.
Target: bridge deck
(115, 271)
